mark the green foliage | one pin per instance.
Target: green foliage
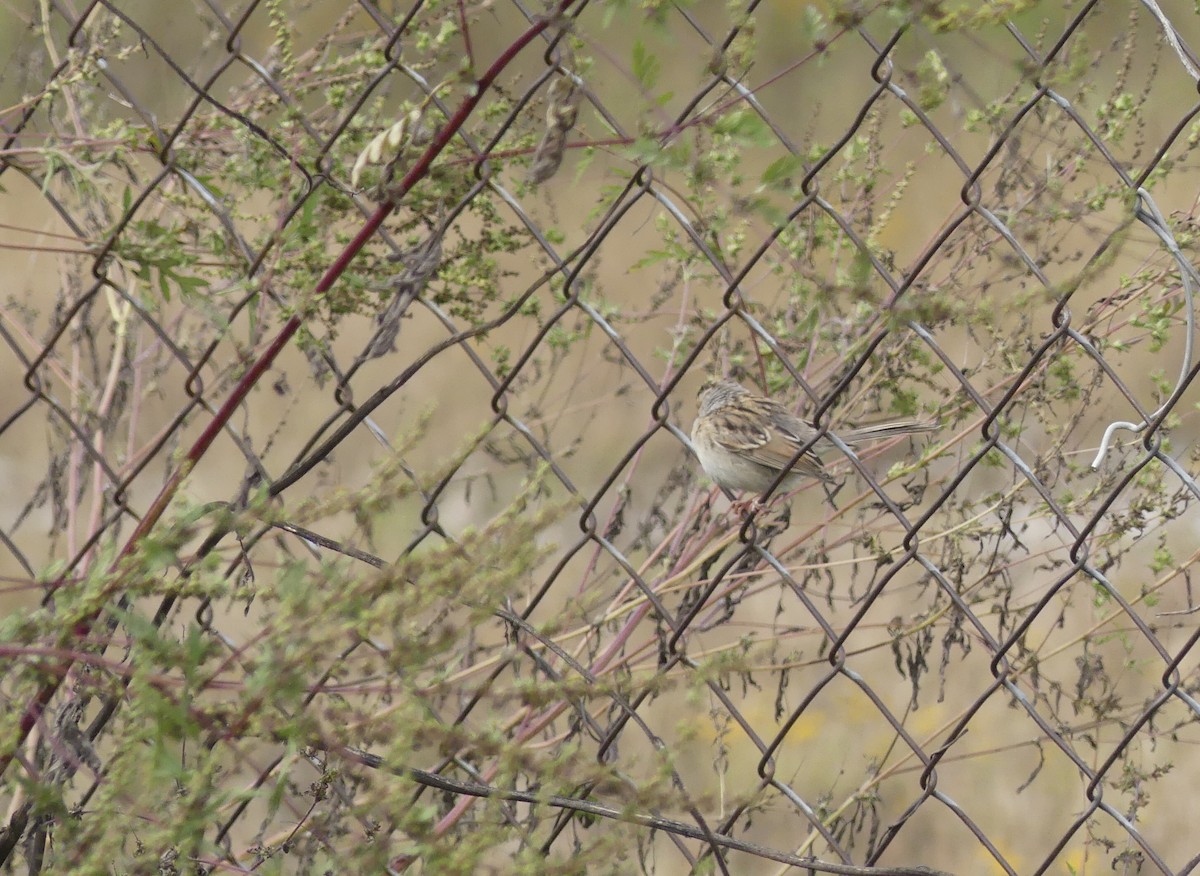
(646, 66)
(283, 680)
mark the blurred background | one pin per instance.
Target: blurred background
(402, 561)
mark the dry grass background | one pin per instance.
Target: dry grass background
(604, 628)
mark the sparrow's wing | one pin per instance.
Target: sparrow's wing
(768, 440)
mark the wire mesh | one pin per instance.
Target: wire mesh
(352, 507)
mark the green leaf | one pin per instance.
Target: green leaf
(646, 66)
(745, 126)
(781, 169)
(644, 150)
(813, 23)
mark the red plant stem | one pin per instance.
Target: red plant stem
(58, 671)
(466, 35)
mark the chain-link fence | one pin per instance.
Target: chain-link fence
(353, 521)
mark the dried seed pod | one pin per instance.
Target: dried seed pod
(420, 264)
(389, 145)
(562, 108)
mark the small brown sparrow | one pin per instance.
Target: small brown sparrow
(744, 440)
